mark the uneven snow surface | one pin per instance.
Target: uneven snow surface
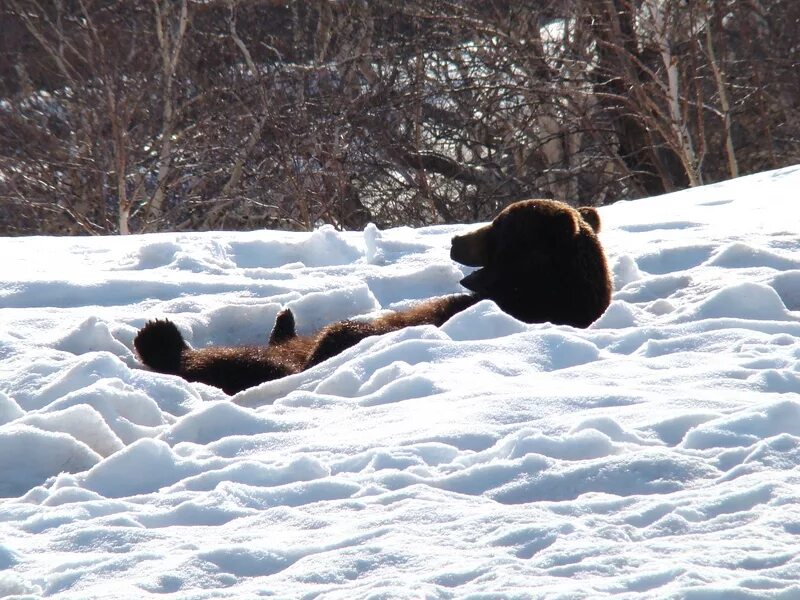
(653, 455)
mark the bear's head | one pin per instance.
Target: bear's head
(539, 260)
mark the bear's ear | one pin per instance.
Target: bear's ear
(591, 216)
(471, 249)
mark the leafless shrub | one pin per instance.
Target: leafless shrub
(120, 116)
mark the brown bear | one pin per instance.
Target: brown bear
(539, 260)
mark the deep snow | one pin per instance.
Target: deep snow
(653, 455)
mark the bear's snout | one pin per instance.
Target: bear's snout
(471, 249)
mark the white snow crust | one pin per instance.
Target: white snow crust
(653, 455)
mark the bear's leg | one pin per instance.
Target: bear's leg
(160, 346)
(284, 329)
(339, 337)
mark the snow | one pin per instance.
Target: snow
(652, 455)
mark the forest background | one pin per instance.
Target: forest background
(123, 116)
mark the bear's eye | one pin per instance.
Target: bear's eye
(499, 226)
(493, 234)
(508, 231)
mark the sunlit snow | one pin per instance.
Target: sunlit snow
(653, 455)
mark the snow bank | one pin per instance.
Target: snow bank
(651, 455)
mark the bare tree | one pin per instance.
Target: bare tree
(171, 24)
(120, 117)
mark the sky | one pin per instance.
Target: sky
(652, 455)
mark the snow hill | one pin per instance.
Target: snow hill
(653, 455)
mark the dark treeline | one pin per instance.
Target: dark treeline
(124, 116)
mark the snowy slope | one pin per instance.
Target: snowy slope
(653, 455)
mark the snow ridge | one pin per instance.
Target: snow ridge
(652, 455)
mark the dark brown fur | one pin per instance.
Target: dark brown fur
(232, 368)
(539, 260)
(591, 216)
(337, 337)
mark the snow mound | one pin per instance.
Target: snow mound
(651, 455)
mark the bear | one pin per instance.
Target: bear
(161, 347)
(538, 260)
